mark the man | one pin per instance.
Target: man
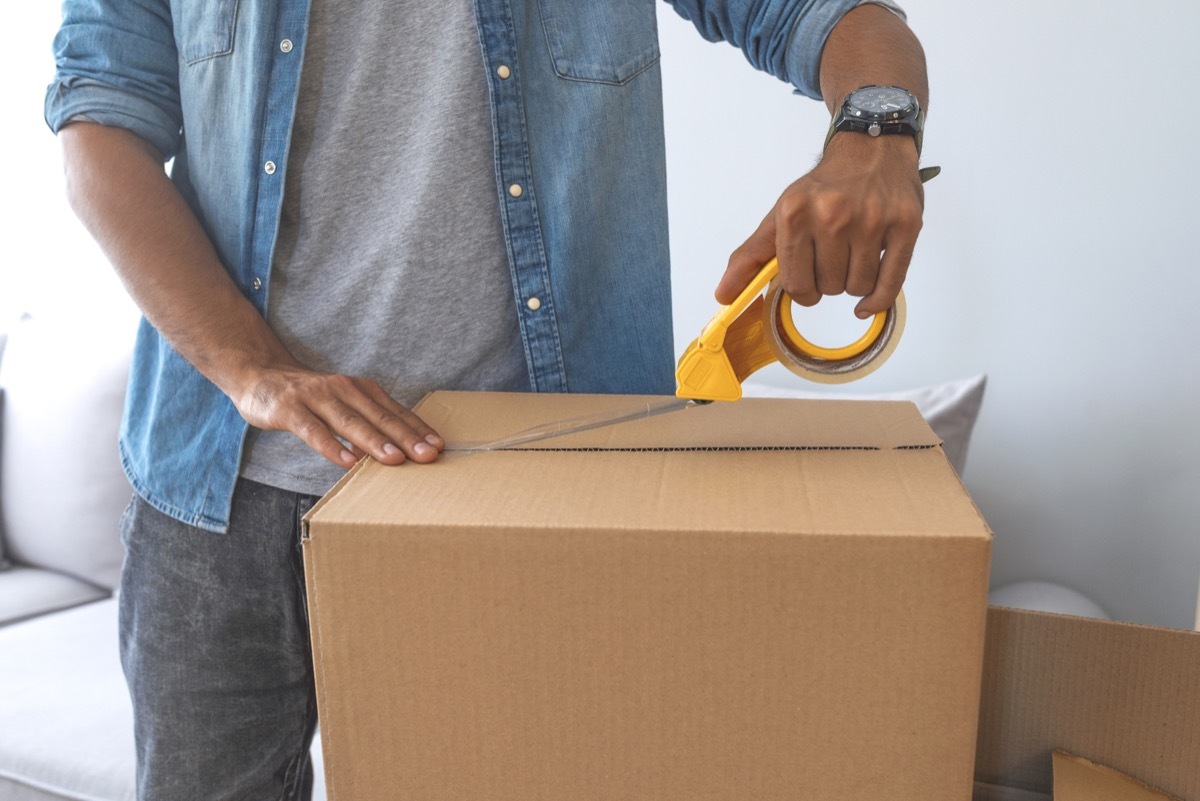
(436, 195)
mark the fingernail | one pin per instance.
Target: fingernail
(862, 314)
(390, 449)
(347, 457)
(424, 449)
(434, 440)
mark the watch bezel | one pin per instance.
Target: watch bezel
(852, 117)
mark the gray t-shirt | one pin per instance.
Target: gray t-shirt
(391, 261)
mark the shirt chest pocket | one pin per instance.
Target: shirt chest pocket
(204, 29)
(600, 41)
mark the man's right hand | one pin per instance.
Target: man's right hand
(117, 186)
(326, 410)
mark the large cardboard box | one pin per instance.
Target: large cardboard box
(773, 599)
(1124, 696)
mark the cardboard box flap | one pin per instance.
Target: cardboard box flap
(1077, 779)
(471, 419)
(696, 469)
(1122, 695)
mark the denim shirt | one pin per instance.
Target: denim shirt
(576, 110)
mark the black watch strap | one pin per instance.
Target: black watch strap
(918, 137)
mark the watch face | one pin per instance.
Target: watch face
(881, 102)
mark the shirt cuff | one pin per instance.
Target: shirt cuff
(74, 97)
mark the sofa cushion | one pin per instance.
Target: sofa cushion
(3, 340)
(63, 488)
(26, 592)
(66, 724)
(950, 408)
(3, 560)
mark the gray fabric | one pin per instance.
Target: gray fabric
(66, 726)
(215, 645)
(391, 262)
(27, 592)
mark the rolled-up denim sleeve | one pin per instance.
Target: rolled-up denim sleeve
(116, 64)
(782, 37)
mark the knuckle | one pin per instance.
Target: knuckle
(311, 431)
(859, 287)
(795, 287)
(871, 220)
(908, 220)
(341, 383)
(830, 284)
(794, 209)
(832, 211)
(350, 419)
(804, 296)
(388, 420)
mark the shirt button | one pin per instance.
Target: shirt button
(534, 304)
(286, 45)
(256, 283)
(269, 168)
(515, 190)
(503, 71)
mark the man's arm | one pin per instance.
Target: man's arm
(863, 199)
(116, 184)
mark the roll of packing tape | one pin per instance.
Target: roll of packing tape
(829, 365)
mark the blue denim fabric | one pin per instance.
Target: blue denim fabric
(214, 642)
(578, 124)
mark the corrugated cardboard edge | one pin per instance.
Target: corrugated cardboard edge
(1127, 695)
(1079, 779)
(314, 612)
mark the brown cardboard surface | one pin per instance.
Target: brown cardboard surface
(1077, 779)
(1121, 695)
(654, 617)
(477, 417)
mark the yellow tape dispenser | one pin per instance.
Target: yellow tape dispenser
(757, 329)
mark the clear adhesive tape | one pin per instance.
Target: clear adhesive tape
(828, 365)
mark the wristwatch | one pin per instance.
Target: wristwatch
(878, 110)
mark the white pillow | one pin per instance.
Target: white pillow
(1046, 596)
(950, 408)
(63, 489)
(3, 561)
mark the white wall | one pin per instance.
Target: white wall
(1060, 257)
(48, 264)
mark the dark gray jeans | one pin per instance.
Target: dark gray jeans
(214, 642)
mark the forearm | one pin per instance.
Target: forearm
(850, 225)
(871, 45)
(117, 187)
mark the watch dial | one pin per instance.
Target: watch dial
(882, 100)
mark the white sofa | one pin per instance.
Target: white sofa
(66, 727)
(65, 719)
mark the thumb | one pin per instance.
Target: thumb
(747, 260)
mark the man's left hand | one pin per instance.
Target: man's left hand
(850, 225)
